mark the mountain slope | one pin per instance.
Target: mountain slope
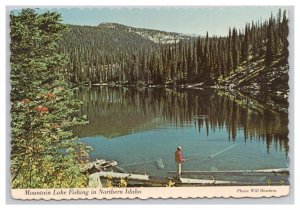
(254, 61)
(268, 85)
(97, 52)
(101, 40)
(155, 36)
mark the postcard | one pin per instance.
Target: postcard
(149, 102)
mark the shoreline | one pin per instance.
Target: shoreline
(245, 94)
(108, 176)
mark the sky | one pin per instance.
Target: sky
(193, 20)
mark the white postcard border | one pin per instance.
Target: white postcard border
(151, 192)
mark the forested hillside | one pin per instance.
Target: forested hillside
(251, 59)
(156, 36)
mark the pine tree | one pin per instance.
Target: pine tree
(245, 45)
(194, 62)
(235, 51)
(199, 58)
(44, 153)
(229, 54)
(270, 49)
(206, 59)
(284, 36)
(255, 44)
(188, 60)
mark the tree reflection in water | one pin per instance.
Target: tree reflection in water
(118, 111)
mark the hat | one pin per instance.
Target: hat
(179, 147)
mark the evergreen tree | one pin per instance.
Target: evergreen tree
(132, 58)
(245, 45)
(199, 58)
(44, 153)
(235, 51)
(284, 36)
(189, 62)
(270, 48)
(194, 62)
(229, 54)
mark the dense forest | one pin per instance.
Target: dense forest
(117, 54)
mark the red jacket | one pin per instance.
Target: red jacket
(178, 156)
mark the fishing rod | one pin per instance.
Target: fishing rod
(213, 155)
(159, 164)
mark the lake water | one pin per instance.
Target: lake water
(221, 131)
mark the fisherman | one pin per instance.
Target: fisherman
(178, 159)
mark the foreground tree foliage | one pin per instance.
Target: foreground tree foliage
(44, 153)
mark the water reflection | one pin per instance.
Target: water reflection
(119, 111)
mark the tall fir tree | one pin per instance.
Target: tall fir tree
(245, 44)
(284, 36)
(44, 153)
(235, 51)
(270, 48)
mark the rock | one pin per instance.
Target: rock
(94, 181)
(98, 165)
